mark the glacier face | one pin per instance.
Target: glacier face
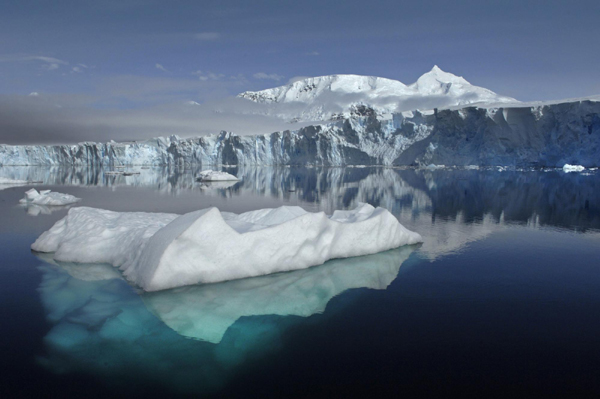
(540, 135)
(333, 97)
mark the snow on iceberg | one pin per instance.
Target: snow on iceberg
(573, 168)
(161, 251)
(213, 175)
(47, 197)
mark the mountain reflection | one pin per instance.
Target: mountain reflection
(100, 325)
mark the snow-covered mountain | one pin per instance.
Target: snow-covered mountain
(338, 96)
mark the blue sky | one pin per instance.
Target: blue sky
(135, 53)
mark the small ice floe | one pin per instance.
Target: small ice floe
(573, 168)
(47, 197)
(4, 180)
(8, 183)
(113, 172)
(161, 251)
(213, 175)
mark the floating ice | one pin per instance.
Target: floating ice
(160, 251)
(4, 180)
(573, 168)
(47, 197)
(213, 175)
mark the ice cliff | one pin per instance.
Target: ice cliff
(551, 135)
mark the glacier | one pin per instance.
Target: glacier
(161, 251)
(524, 135)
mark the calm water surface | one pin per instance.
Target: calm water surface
(501, 298)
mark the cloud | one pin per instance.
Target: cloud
(207, 36)
(49, 63)
(266, 76)
(161, 68)
(204, 76)
(313, 53)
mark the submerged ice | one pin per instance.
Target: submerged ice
(161, 251)
(102, 327)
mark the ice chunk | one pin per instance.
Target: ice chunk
(573, 168)
(46, 197)
(206, 246)
(213, 175)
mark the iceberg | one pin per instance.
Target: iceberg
(213, 175)
(47, 197)
(161, 251)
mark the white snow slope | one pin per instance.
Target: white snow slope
(334, 96)
(161, 251)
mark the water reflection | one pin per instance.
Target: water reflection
(103, 327)
(553, 198)
(35, 210)
(206, 311)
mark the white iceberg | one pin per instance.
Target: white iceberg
(160, 251)
(573, 168)
(47, 197)
(213, 175)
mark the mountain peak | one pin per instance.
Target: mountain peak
(326, 96)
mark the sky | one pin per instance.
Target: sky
(103, 69)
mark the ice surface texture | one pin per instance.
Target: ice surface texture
(160, 251)
(47, 197)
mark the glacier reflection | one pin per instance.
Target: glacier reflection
(102, 326)
(551, 198)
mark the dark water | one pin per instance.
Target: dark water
(501, 299)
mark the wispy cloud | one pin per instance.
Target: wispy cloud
(204, 75)
(49, 63)
(161, 68)
(207, 36)
(267, 76)
(313, 53)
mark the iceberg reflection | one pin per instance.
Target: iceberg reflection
(102, 326)
(206, 311)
